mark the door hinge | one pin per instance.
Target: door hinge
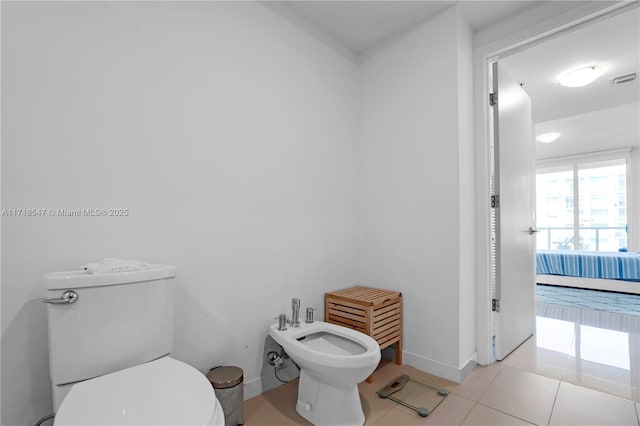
(493, 99)
(495, 201)
(495, 305)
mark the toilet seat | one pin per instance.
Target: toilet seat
(354, 350)
(161, 392)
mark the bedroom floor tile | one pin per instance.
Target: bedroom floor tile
(586, 347)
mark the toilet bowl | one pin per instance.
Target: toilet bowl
(161, 392)
(332, 361)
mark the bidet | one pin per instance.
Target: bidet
(332, 361)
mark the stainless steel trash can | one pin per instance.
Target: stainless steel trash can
(228, 386)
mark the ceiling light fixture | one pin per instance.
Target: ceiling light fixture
(548, 137)
(580, 77)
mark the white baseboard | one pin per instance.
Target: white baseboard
(469, 366)
(449, 372)
(252, 387)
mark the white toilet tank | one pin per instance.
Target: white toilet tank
(119, 320)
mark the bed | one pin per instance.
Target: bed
(595, 270)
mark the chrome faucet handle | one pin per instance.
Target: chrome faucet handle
(295, 313)
(309, 318)
(282, 322)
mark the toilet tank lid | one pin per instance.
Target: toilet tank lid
(81, 278)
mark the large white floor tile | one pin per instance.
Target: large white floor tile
(539, 360)
(478, 382)
(451, 411)
(576, 405)
(586, 347)
(525, 395)
(485, 416)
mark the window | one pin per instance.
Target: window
(582, 206)
(555, 209)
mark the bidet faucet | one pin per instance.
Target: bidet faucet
(295, 312)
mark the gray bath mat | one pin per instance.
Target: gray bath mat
(414, 394)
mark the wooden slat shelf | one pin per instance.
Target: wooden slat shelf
(372, 311)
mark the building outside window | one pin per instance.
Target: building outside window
(583, 206)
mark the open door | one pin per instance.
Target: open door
(513, 210)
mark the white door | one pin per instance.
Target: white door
(514, 164)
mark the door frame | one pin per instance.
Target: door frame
(509, 43)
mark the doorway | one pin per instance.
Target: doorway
(535, 46)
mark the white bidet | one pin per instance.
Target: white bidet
(332, 360)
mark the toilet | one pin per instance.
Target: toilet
(110, 338)
(332, 360)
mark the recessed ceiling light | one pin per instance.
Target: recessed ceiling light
(580, 77)
(548, 137)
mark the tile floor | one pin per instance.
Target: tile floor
(581, 368)
(594, 349)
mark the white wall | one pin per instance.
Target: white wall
(228, 133)
(415, 188)
(467, 296)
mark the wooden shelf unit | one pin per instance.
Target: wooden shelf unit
(372, 311)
